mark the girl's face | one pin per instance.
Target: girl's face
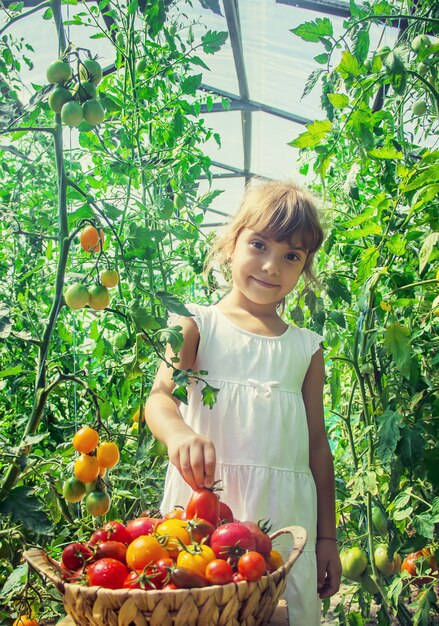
(265, 270)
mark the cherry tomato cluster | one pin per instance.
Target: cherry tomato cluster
(198, 546)
(97, 297)
(75, 96)
(89, 470)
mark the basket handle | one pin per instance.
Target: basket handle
(45, 565)
(299, 536)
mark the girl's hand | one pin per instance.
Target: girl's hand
(194, 457)
(328, 568)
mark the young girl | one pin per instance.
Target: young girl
(265, 437)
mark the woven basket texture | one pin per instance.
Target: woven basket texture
(235, 604)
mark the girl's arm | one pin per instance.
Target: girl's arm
(322, 468)
(191, 453)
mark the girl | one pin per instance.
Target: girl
(265, 437)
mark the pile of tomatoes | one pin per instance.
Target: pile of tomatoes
(198, 546)
(89, 470)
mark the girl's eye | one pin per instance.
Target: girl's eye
(292, 256)
(258, 244)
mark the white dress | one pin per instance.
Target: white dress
(259, 428)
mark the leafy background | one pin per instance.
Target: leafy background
(374, 163)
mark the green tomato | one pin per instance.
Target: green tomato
(98, 503)
(379, 521)
(386, 566)
(58, 72)
(76, 296)
(180, 201)
(353, 562)
(93, 112)
(121, 340)
(141, 66)
(382, 51)
(91, 71)
(86, 90)
(73, 489)
(422, 69)
(71, 114)
(58, 98)
(98, 297)
(120, 40)
(419, 107)
(420, 42)
(160, 449)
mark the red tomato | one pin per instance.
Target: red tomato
(252, 565)
(177, 513)
(263, 542)
(108, 573)
(142, 526)
(75, 555)
(225, 514)
(169, 586)
(413, 564)
(115, 531)
(99, 536)
(204, 503)
(152, 577)
(73, 576)
(219, 572)
(184, 578)
(111, 549)
(230, 541)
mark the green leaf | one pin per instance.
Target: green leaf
(348, 66)
(172, 303)
(209, 395)
(368, 261)
(181, 394)
(365, 215)
(11, 371)
(396, 244)
(212, 41)
(212, 5)
(386, 152)
(424, 524)
(389, 425)
(190, 84)
(361, 44)
(427, 250)
(314, 31)
(26, 509)
(15, 581)
(423, 177)
(396, 340)
(315, 133)
(311, 82)
(338, 318)
(338, 100)
(322, 59)
(338, 289)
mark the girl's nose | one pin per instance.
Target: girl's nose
(271, 265)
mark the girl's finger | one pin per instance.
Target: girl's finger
(209, 464)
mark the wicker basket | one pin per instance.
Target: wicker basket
(234, 604)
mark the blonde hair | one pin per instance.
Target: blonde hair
(279, 209)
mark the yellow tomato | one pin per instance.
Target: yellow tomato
(86, 468)
(196, 558)
(144, 550)
(386, 306)
(85, 439)
(173, 531)
(274, 560)
(107, 454)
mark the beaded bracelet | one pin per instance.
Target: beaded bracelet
(328, 538)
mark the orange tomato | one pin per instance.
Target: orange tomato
(173, 531)
(91, 240)
(144, 550)
(85, 439)
(86, 468)
(274, 560)
(107, 454)
(24, 620)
